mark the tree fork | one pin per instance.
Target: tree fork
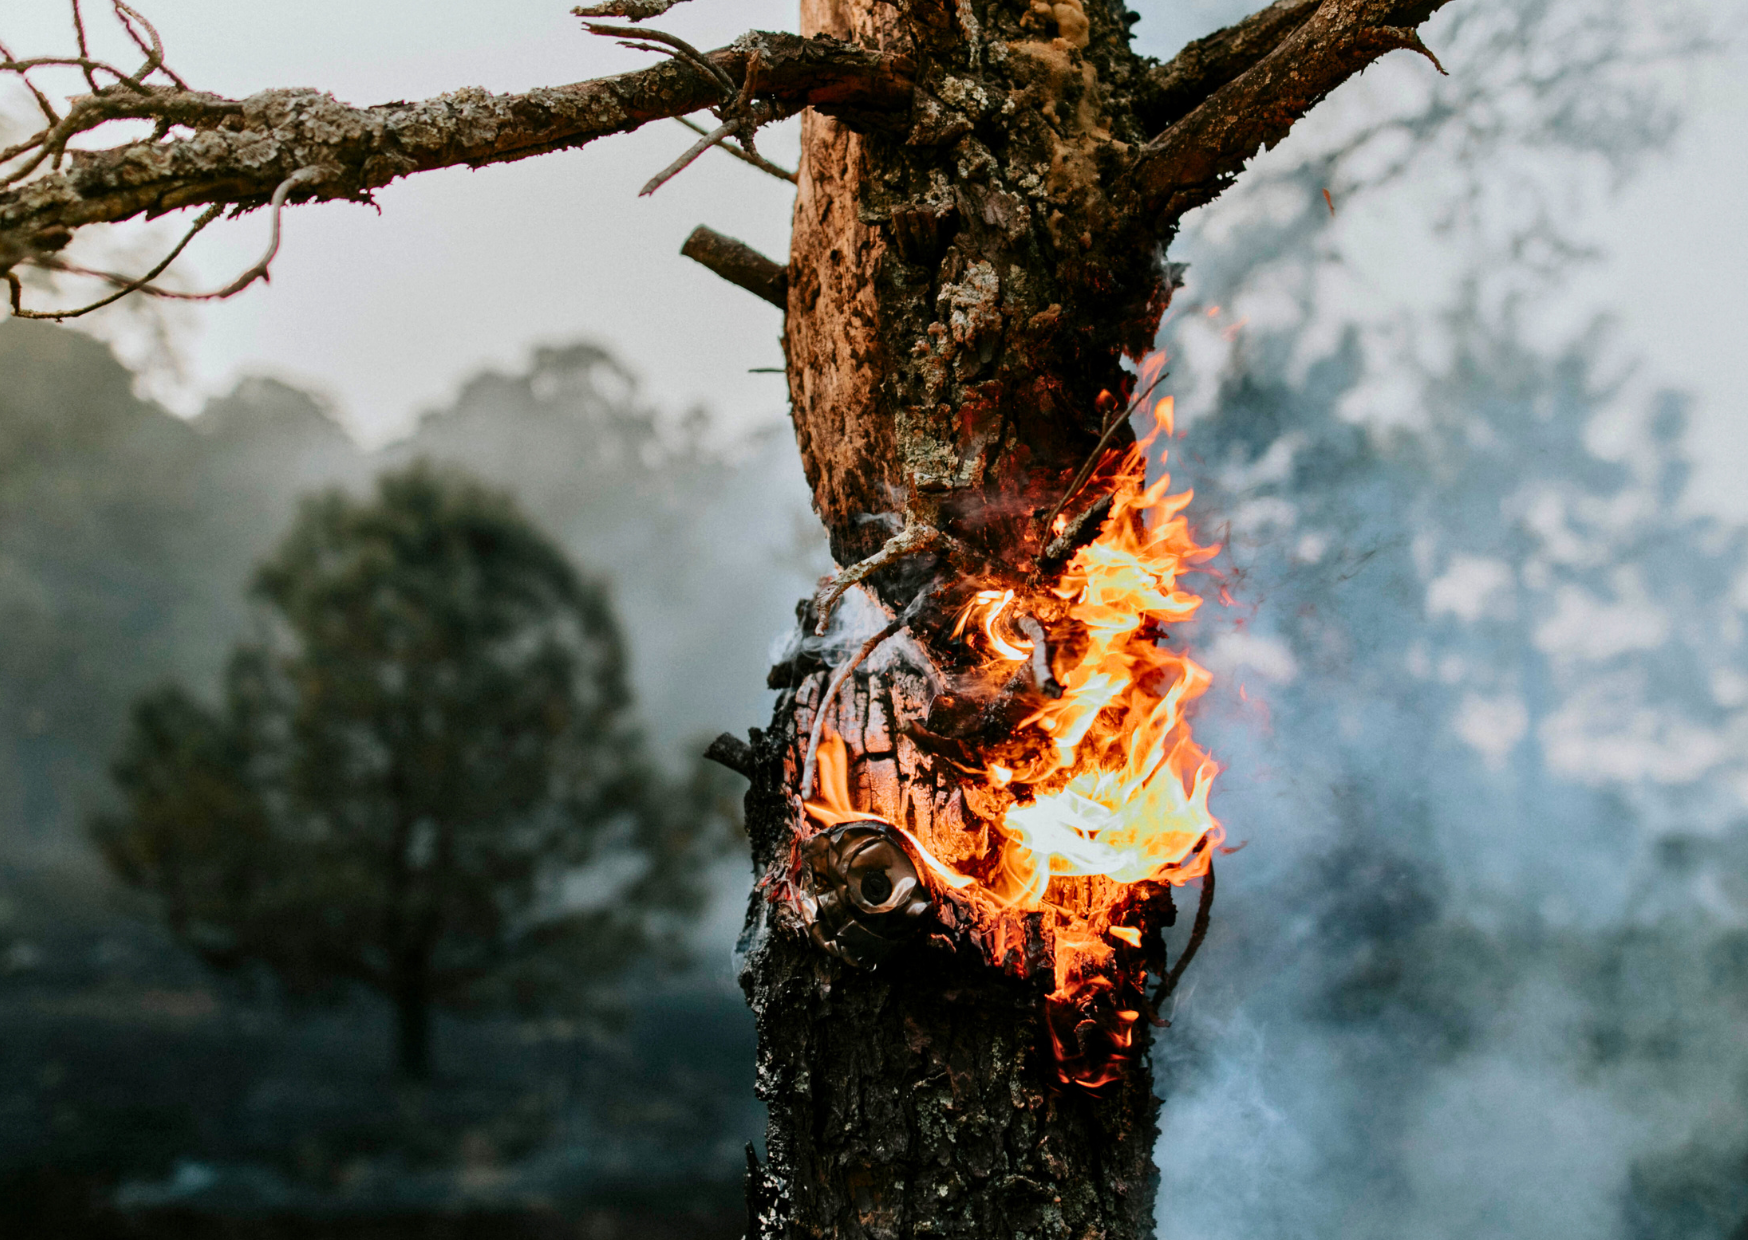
(960, 300)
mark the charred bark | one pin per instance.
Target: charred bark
(920, 1097)
(960, 301)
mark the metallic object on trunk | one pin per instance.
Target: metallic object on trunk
(860, 891)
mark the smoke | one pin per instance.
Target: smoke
(1482, 968)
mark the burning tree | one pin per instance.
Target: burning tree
(968, 822)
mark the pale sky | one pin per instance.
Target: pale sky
(387, 312)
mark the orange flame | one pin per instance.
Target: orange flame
(1121, 789)
(1115, 790)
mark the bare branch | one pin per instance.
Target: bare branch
(154, 50)
(124, 285)
(732, 752)
(1179, 86)
(739, 264)
(630, 10)
(42, 101)
(692, 152)
(243, 150)
(1294, 62)
(670, 44)
(260, 271)
(84, 44)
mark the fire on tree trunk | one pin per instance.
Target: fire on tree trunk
(959, 304)
(1007, 789)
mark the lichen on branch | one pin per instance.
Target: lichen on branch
(208, 149)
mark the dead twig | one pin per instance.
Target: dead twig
(740, 115)
(674, 46)
(102, 104)
(685, 161)
(84, 44)
(1198, 932)
(260, 271)
(844, 673)
(914, 537)
(141, 284)
(749, 157)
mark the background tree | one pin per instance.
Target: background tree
(984, 193)
(432, 733)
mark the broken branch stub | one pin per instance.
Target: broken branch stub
(739, 264)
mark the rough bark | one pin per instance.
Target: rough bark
(985, 193)
(919, 1098)
(960, 302)
(242, 150)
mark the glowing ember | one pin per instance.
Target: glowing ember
(1101, 788)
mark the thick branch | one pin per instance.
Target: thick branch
(242, 150)
(1198, 156)
(1178, 87)
(739, 264)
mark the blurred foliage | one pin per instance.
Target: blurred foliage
(128, 538)
(432, 735)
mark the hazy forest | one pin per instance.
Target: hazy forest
(1480, 704)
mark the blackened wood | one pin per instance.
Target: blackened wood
(919, 1098)
(731, 751)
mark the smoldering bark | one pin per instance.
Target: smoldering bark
(920, 1097)
(960, 302)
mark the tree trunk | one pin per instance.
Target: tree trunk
(985, 193)
(960, 296)
(919, 1098)
(412, 1001)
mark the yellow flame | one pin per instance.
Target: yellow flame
(1134, 805)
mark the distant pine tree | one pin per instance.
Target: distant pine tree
(432, 735)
